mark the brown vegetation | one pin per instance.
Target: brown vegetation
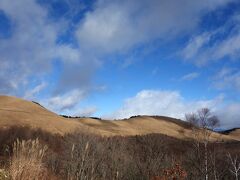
(85, 156)
(27, 160)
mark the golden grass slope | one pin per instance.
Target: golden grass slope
(234, 134)
(142, 125)
(18, 112)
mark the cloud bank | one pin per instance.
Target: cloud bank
(172, 104)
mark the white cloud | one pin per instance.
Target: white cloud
(69, 54)
(190, 76)
(166, 103)
(117, 26)
(173, 104)
(69, 104)
(64, 102)
(32, 47)
(229, 115)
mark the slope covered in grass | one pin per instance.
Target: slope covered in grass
(19, 112)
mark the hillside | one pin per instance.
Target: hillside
(18, 112)
(233, 133)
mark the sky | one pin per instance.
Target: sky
(118, 58)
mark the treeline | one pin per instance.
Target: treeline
(73, 117)
(85, 156)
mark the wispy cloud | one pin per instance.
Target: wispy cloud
(206, 47)
(194, 45)
(190, 76)
(227, 78)
(31, 93)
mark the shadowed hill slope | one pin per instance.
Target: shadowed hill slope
(18, 112)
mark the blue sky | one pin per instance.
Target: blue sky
(115, 59)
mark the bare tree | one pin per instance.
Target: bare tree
(203, 122)
(235, 165)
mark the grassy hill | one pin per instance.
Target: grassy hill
(19, 112)
(233, 133)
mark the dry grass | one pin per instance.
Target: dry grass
(26, 162)
(78, 168)
(4, 174)
(235, 134)
(18, 112)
